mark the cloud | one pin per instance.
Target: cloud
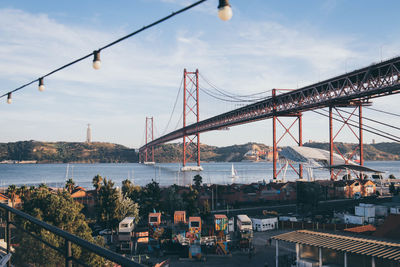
(140, 77)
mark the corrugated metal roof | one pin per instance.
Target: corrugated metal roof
(363, 246)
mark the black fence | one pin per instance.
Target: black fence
(14, 220)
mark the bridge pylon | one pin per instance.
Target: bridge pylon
(148, 153)
(191, 112)
(299, 140)
(344, 118)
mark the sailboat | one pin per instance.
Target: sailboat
(234, 173)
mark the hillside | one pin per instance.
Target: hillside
(58, 152)
(45, 152)
(380, 151)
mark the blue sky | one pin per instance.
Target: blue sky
(266, 44)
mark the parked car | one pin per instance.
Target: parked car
(105, 232)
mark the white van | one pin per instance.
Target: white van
(243, 223)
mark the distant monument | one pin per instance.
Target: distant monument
(88, 134)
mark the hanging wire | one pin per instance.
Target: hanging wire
(107, 46)
(382, 111)
(173, 109)
(233, 95)
(366, 118)
(370, 131)
(364, 125)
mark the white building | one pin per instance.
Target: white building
(395, 210)
(365, 210)
(264, 223)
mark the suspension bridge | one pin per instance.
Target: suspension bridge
(351, 90)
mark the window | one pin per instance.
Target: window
(195, 224)
(153, 219)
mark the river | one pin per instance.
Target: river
(165, 173)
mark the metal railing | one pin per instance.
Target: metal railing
(69, 239)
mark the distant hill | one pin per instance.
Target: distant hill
(380, 151)
(173, 152)
(46, 152)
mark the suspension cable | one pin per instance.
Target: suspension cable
(379, 134)
(382, 111)
(173, 109)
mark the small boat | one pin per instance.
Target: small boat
(234, 173)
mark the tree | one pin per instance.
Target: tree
(70, 185)
(22, 192)
(174, 200)
(197, 180)
(107, 205)
(97, 182)
(191, 200)
(12, 193)
(128, 208)
(150, 198)
(63, 212)
(391, 176)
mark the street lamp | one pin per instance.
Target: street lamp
(224, 10)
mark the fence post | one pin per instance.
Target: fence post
(68, 253)
(8, 233)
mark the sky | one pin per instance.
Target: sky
(267, 44)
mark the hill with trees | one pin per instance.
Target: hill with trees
(63, 152)
(75, 152)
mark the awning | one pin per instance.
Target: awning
(313, 156)
(352, 167)
(352, 244)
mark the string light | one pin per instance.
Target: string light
(96, 60)
(224, 10)
(225, 13)
(41, 85)
(9, 98)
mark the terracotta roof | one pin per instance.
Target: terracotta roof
(361, 246)
(362, 229)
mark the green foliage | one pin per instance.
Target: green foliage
(70, 185)
(12, 193)
(128, 208)
(107, 204)
(150, 198)
(130, 190)
(174, 200)
(197, 180)
(66, 152)
(191, 200)
(61, 211)
(112, 206)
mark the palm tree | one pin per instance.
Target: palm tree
(21, 192)
(43, 186)
(12, 193)
(70, 185)
(97, 182)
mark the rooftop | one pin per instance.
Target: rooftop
(363, 246)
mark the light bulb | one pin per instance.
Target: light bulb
(9, 98)
(224, 10)
(41, 85)
(96, 60)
